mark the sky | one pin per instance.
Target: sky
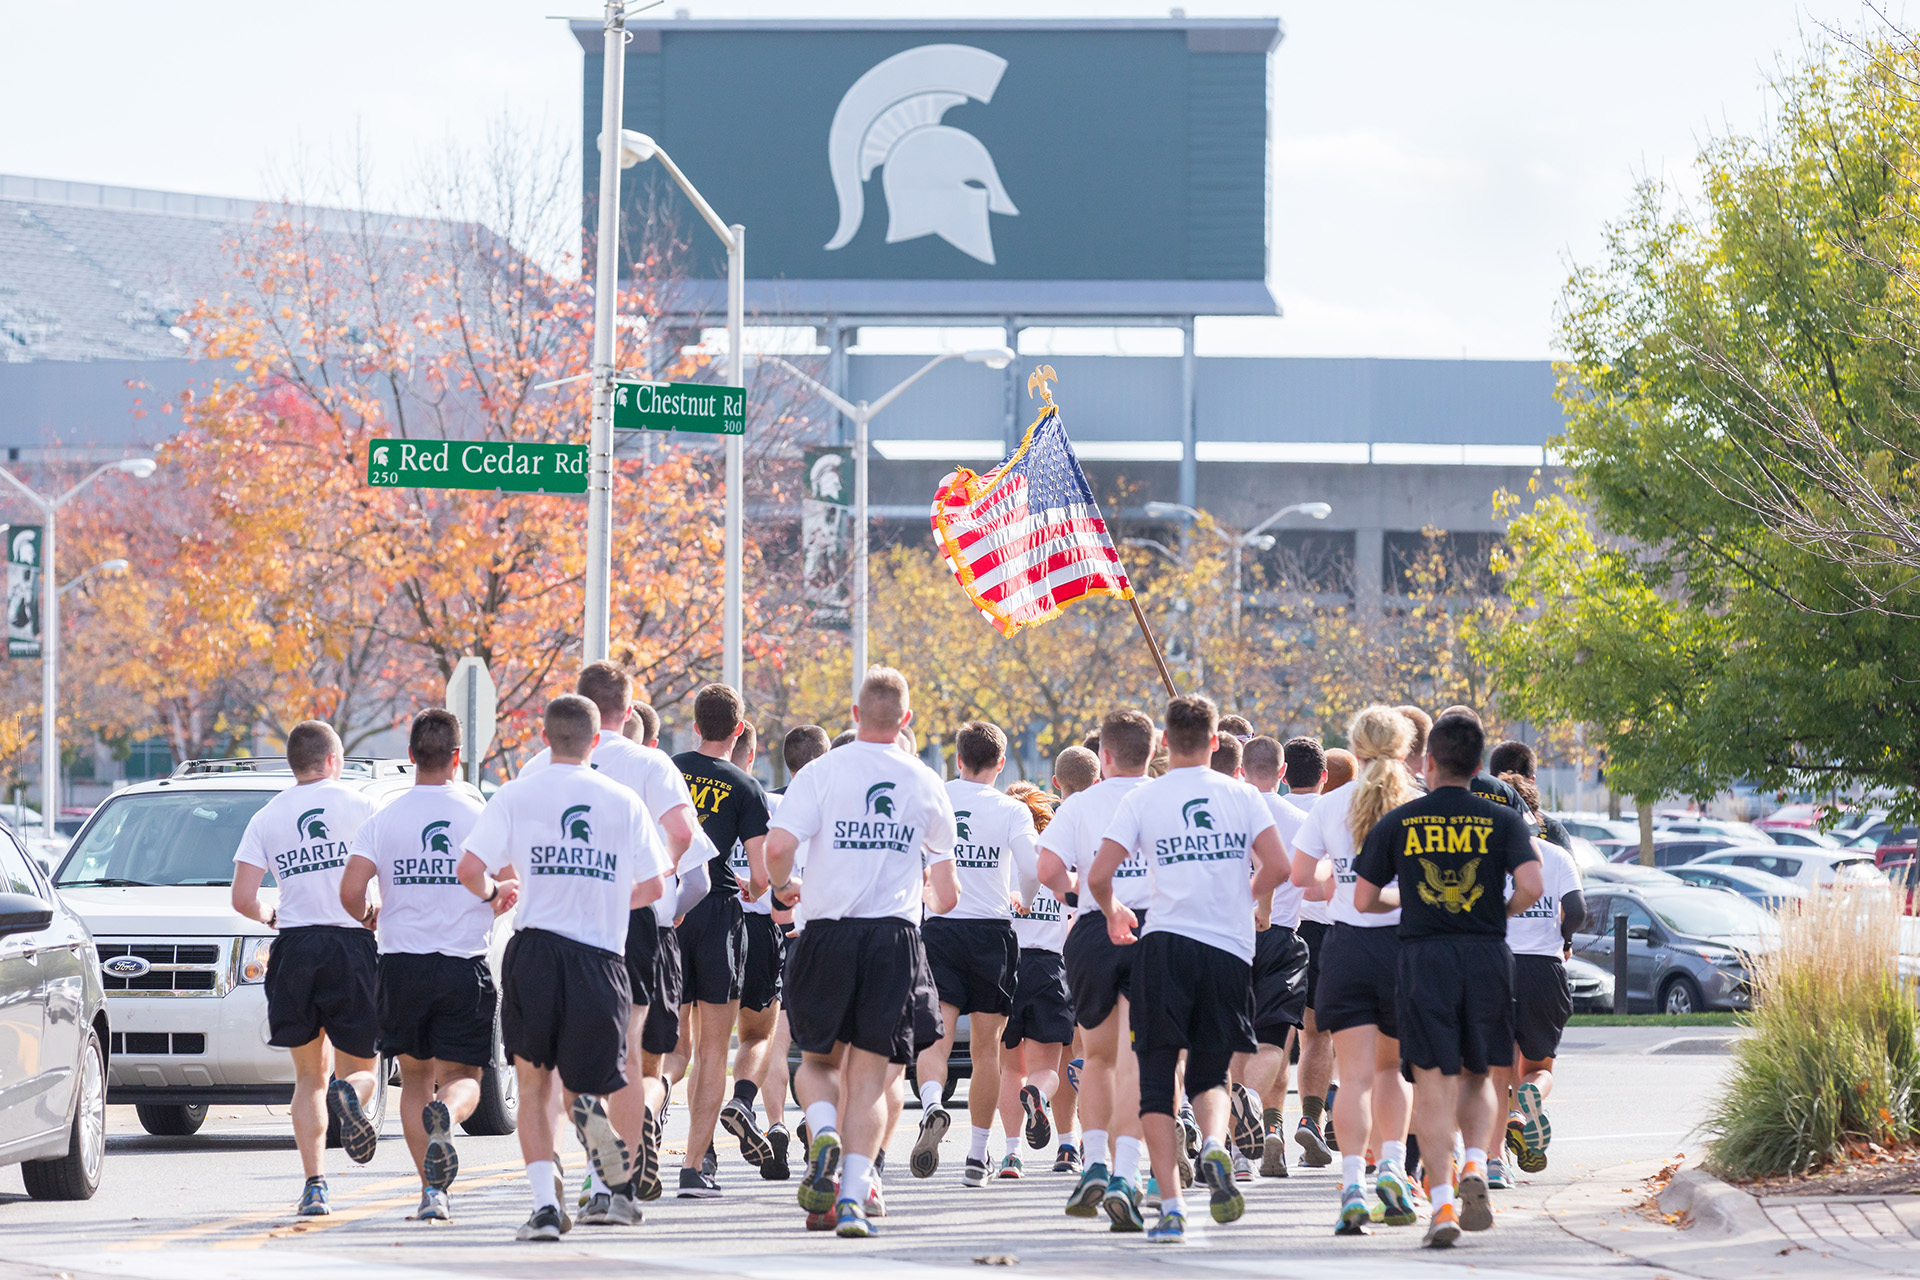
(1437, 167)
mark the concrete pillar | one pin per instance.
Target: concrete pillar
(1369, 570)
(1189, 378)
(1015, 425)
(837, 377)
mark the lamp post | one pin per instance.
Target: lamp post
(139, 469)
(863, 413)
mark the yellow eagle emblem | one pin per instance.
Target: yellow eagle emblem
(1453, 890)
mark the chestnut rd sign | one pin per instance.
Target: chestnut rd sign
(680, 406)
(477, 464)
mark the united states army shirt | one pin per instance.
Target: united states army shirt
(1450, 851)
(301, 836)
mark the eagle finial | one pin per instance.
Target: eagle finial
(1038, 380)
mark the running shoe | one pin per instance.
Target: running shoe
(543, 1227)
(646, 1179)
(1316, 1152)
(442, 1161)
(1150, 1194)
(1011, 1167)
(1246, 1122)
(1443, 1229)
(1039, 1128)
(698, 1184)
(1122, 1203)
(737, 1119)
(604, 1145)
(1170, 1229)
(823, 1220)
(1084, 1200)
(710, 1163)
(594, 1212)
(313, 1200)
(1396, 1207)
(805, 1136)
(925, 1161)
(357, 1134)
(1355, 1218)
(1273, 1155)
(1189, 1134)
(876, 1197)
(1242, 1168)
(1535, 1131)
(433, 1206)
(560, 1193)
(775, 1169)
(1074, 1068)
(819, 1187)
(1066, 1159)
(1476, 1207)
(975, 1174)
(850, 1221)
(1186, 1164)
(1216, 1166)
(1498, 1179)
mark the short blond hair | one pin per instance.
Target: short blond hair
(883, 700)
(1075, 769)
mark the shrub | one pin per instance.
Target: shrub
(1833, 1064)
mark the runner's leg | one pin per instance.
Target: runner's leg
(312, 1064)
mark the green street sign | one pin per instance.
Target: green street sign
(680, 406)
(477, 464)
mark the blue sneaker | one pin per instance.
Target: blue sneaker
(1122, 1203)
(1074, 1068)
(313, 1201)
(1355, 1218)
(820, 1186)
(1171, 1229)
(850, 1221)
(1084, 1201)
(1396, 1207)
(1226, 1202)
(1150, 1194)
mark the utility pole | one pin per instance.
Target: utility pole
(606, 288)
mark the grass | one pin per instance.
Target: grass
(1657, 1020)
(1833, 1065)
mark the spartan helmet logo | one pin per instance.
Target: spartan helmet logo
(313, 825)
(1195, 812)
(574, 824)
(878, 799)
(434, 838)
(939, 180)
(824, 479)
(960, 826)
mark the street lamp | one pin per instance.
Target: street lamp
(105, 566)
(139, 469)
(863, 413)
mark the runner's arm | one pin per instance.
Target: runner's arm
(354, 882)
(1053, 873)
(1375, 899)
(246, 893)
(945, 881)
(778, 851)
(647, 892)
(678, 825)
(1573, 910)
(1273, 866)
(757, 881)
(1120, 920)
(1526, 887)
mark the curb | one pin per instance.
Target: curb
(1715, 1206)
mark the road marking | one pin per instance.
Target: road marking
(341, 1217)
(1622, 1137)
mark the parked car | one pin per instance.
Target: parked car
(1793, 817)
(1896, 844)
(152, 874)
(53, 1036)
(1590, 986)
(1905, 877)
(1795, 836)
(1628, 873)
(1598, 827)
(1686, 947)
(1760, 887)
(1726, 829)
(1809, 868)
(1670, 850)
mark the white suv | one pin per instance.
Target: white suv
(151, 873)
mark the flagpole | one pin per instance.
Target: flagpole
(1153, 647)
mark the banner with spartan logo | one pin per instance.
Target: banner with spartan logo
(826, 535)
(23, 590)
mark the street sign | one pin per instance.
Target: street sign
(23, 590)
(680, 406)
(472, 697)
(477, 464)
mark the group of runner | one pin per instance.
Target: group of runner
(1142, 951)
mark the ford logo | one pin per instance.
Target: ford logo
(126, 967)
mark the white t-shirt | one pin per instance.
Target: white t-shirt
(737, 863)
(301, 835)
(1536, 931)
(414, 845)
(1287, 900)
(1074, 836)
(580, 842)
(1195, 828)
(994, 850)
(648, 772)
(864, 815)
(1324, 835)
(1045, 924)
(1314, 911)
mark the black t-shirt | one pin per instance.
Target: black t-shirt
(732, 807)
(1451, 852)
(1485, 784)
(1553, 831)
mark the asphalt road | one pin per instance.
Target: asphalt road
(218, 1206)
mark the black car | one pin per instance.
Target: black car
(1670, 851)
(53, 1036)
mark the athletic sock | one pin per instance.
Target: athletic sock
(978, 1151)
(1093, 1146)
(1394, 1153)
(853, 1178)
(1352, 1170)
(745, 1091)
(1126, 1158)
(540, 1178)
(595, 1187)
(930, 1093)
(822, 1117)
(1172, 1204)
(1477, 1155)
(1271, 1119)
(1440, 1195)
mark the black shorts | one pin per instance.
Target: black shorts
(1541, 1005)
(321, 977)
(1189, 995)
(1098, 973)
(564, 1005)
(713, 950)
(1314, 934)
(974, 962)
(439, 1007)
(653, 970)
(1041, 1011)
(861, 982)
(1456, 1004)
(1279, 984)
(1359, 974)
(766, 959)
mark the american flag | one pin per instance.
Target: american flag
(1027, 539)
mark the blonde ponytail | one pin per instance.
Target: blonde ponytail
(1379, 736)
